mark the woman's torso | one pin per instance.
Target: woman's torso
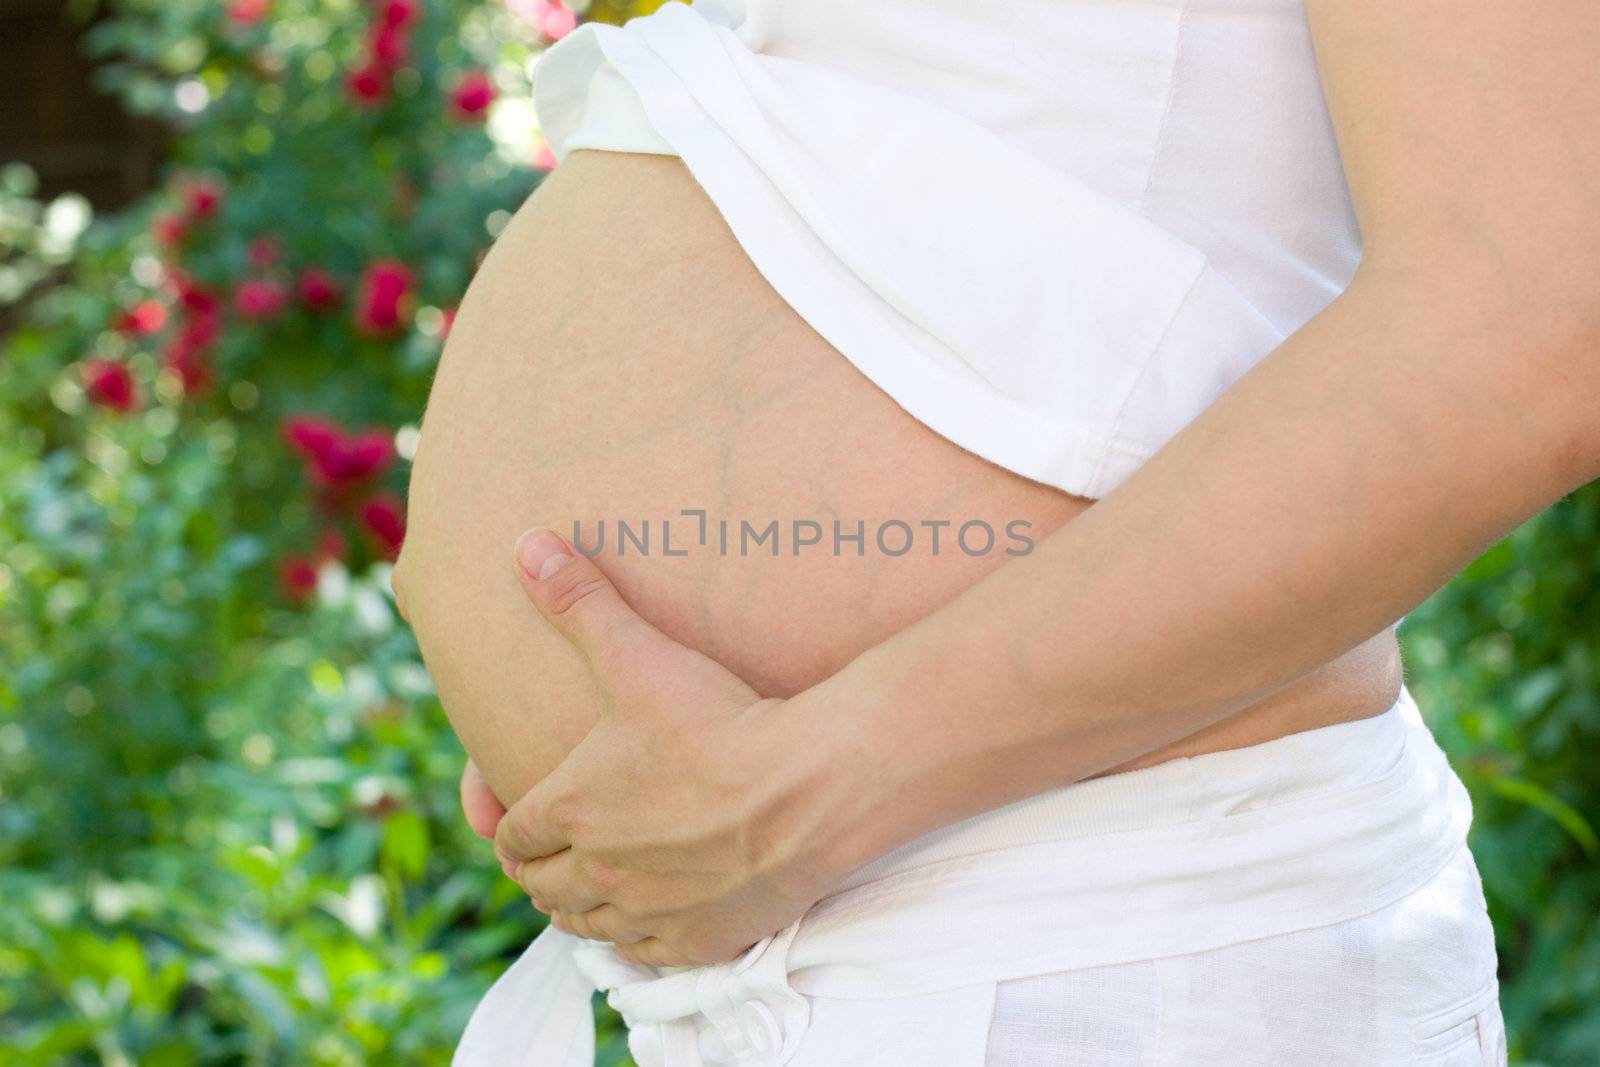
(618, 357)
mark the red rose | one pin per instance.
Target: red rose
(331, 545)
(398, 13)
(259, 300)
(168, 229)
(188, 354)
(334, 457)
(193, 296)
(385, 289)
(192, 367)
(246, 12)
(390, 46)
(367, 84)
(202, 198)
(145, 317)
(200, 331)
(110, 384)
(355, 458)
(297, 576)
(318, 290)
(309, 435)
(472, 96)
(384, 519)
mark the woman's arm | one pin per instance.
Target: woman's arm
(1449, 394)
(1363, 464)
(1445, 397)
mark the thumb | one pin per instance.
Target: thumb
(478, 802)
(576, 598)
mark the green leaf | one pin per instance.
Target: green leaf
(405, 844)
(1535, 796)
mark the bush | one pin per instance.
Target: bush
(229, 832)
(228, 821)
(1507, 659)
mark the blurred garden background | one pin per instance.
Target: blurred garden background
(232, 234)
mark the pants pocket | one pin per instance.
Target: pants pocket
(1468, 1034)
(1492, 1035)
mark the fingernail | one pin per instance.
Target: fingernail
(541, 553)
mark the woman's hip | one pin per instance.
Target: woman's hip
(1192, 854)
(1310, 900)
(1411, 983)
(1315, 884)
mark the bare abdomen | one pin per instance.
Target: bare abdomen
(617, 358)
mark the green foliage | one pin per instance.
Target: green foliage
(229, 831)
(228, 823)
(1507, 659)
(34, 237)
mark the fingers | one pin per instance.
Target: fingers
(652, 952)
(557, 884)
(576, 598)
(478, 802)
(655, 952)
(604, 923)
(530, 830)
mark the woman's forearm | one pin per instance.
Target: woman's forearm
(1332, 489)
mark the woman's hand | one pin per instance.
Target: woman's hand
(479, 804)
(694, 818)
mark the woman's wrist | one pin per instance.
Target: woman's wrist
(848, 773)
(894, 754)
(938, 724)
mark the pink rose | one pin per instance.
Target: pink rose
(188, 353)
(335, 457)
(193, 296)
(310, 435)
(246, 12)
(169, 229)
(384, 519)
(472, 96)
(398, 12)
(367, 84)
(259, 300)
(297, 577)
(110, 384)
(557, 21)
(390, 45)
(202, 197)
(146, 317)
(318, 290)
(385, 293)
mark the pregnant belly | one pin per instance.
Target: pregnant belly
(617, 361)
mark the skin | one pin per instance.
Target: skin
(1440, 401)
(577, 404)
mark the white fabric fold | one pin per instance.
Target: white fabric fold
(1190, 855)
(537, 1014)
(1012, 308)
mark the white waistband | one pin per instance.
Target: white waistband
(1185, 856)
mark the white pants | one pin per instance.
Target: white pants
(1411, 983)
(1304, 902)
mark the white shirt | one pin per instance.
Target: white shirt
(1052, 231)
